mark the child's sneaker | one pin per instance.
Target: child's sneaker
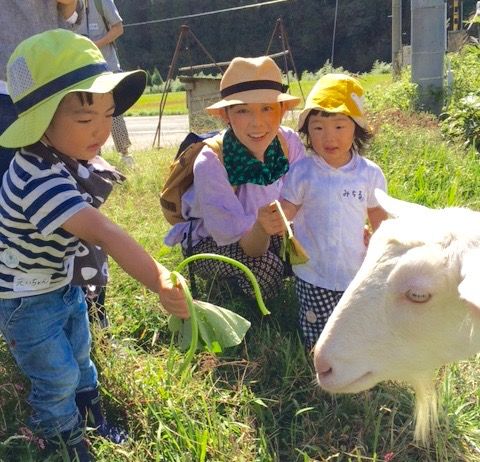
(114, 434)
(71, 442)
(88, 403)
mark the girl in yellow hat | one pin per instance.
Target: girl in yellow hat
(330, 196)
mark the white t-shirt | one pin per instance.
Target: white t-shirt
(330, 222)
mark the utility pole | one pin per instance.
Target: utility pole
(456, 15)
(396, 38)
(428, 41)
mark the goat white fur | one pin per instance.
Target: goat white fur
(413, 306)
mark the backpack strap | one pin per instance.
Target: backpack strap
(215, 143)
(99, 7)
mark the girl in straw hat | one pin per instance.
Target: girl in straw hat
(48, 203)
(330, 195)
(228, 210)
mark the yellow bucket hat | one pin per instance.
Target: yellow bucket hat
(336, 93)
(252, 80)
(46, 67)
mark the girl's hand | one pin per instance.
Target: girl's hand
(270, 220)
(367, 234)
(171, 297)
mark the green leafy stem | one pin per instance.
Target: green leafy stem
(178, 279)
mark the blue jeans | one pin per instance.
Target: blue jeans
(8, 115)
(49, 338)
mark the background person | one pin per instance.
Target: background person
(330, 195)
(18, 21)
(228, 210)
(103, 28)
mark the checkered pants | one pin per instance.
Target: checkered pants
(120, 135)
(268, 269)
(316, 306)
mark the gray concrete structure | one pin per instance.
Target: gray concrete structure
(396, 37)
(201, 92)
(428, 50)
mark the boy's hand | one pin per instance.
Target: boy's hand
(172, 297)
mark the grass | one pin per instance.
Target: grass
(258, 402)
(149, 103)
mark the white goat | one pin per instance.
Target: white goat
(413, 306)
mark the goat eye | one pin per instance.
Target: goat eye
(418, 297)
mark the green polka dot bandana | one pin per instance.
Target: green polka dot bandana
(242, 167)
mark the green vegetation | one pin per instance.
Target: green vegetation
(461, 119)
(258, 402)
(362, 35)
(149, 104)
(176, 102)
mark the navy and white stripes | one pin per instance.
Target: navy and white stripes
(36, 254)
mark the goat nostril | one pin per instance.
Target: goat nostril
(325, 373)
(322, 366)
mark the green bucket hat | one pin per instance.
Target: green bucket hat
(46, 67)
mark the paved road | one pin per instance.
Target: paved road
(173, 130)
(142, 131)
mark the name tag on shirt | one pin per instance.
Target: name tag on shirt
(30, 282)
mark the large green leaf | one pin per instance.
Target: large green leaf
(218, 327)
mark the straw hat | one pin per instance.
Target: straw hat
(252, 80)
(336, 93)
(46, 67)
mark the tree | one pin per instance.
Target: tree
(363, 32)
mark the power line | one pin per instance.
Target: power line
(206, 13)
(334, 33)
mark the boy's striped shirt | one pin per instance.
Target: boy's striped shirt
(36, 254)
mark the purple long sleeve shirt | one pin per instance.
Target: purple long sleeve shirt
(222, 212)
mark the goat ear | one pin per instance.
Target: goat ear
(469, 287)
(396, 207)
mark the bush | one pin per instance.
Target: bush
(462, 121)
(156, 78)
(380, 67)
(465, 66)
(461, 115)
(327, 68)
(401, 94)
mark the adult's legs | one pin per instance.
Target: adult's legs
(121, 139)
(268, 269)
